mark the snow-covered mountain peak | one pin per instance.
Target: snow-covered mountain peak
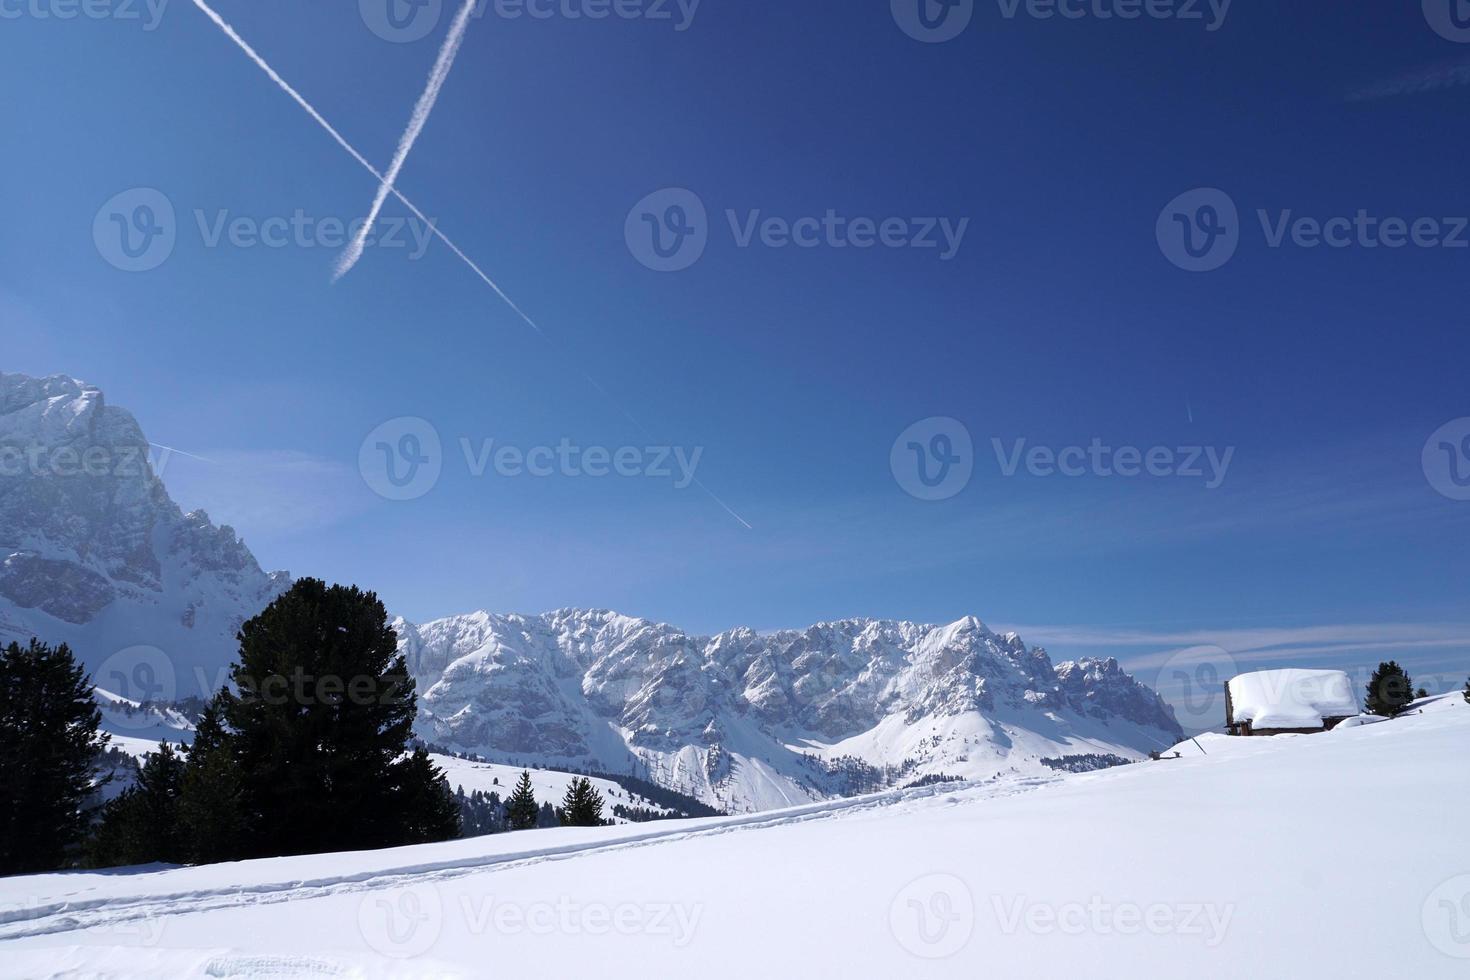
(93, 551)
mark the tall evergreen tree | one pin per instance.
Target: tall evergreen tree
(1390, 690)
(582, 804)
(1467, 690)
(209, 799)
(521, 808)
(427, 810)
(322, 715)
(49, 744)
(142, 825)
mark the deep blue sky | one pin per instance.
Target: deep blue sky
(1059, 320)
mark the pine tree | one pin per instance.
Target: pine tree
(427, 810)
(159, 783)
(1467, 691)
(1390, 690)
(142, 825)
(521, 807)
(209, 799)
(319, 726)
(582, 804)
(547, 817)
(49, 745)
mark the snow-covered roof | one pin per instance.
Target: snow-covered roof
(1292, 698)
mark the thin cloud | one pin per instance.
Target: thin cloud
(1187, 667)
(1320, 638)
(1432, 79)
(1340, 646)
(268, 494)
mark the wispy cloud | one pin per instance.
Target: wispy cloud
(1431, 79)
(1254, 644)
(265, 494)
(421, 112)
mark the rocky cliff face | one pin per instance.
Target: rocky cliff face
(745, 720)
(93, 552)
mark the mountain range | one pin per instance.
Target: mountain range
(751, 721)
(93, 552)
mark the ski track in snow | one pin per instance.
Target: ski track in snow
(63, 917)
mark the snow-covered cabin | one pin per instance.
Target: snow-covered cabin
(1277, 702)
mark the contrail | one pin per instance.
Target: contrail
(416, 122)
(171, 449)
(362, 160)
(414, 209)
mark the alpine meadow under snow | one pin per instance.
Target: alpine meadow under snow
(1196, 866)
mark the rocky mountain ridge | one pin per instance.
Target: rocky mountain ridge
(93, 551)
(744, 719)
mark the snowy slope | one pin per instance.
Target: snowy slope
(747, 722)
(549, 785)
(130, 724)
(1253, 860)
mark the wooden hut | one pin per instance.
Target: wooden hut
(1288, 702)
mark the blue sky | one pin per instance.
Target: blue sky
(1059, 318)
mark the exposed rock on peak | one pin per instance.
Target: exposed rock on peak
(745, 720)
(92, 550)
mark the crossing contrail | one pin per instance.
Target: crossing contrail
(362, 161)
(416, 122)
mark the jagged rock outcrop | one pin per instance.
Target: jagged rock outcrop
(93, 551)
(746, 720)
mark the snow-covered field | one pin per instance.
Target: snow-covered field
(549, 785)
(1343, 854)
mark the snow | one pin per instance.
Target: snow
(1161, 869)
(549, 785)
(748, 722)
(136, 729)
(1358, 721)
(1292, 698)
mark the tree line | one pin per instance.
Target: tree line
(484, 813)
(308, 749)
